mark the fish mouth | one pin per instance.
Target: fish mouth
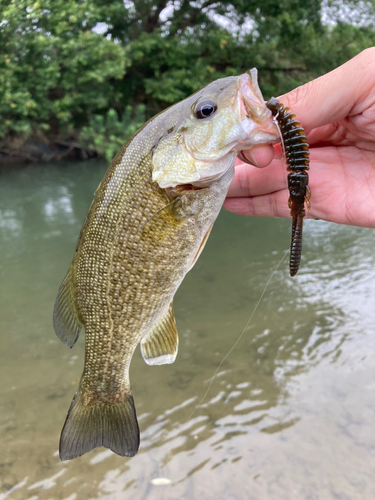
(256, 119)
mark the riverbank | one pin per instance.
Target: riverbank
(40, 150)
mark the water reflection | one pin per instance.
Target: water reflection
(290, 412)
(60, 207)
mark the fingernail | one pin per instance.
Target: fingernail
(252, 158)
(249, 158)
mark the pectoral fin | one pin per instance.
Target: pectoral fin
(202, 245)
(174, 212)
(66, 320)
(160, 346)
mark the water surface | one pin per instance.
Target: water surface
(291, 412)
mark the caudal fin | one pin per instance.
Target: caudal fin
(113, 426)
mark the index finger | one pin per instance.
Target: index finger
(335, 95)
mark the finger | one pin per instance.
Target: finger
(264, 192)
(268, 205)
(251, 181)
(335, 95)
(273, 205)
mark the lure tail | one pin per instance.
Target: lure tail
(113, 426)
(299, 193)
(296, 244)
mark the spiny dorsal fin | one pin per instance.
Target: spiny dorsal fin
(66, 321)
(160, 346)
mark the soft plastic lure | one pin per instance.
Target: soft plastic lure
(296, 150)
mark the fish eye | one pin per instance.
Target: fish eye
(204, 109)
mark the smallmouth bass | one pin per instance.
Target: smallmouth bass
(147, 225)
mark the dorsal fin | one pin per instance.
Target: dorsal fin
(160, 346)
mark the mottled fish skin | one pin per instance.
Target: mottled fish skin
(136, 245)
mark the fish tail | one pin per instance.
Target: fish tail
(113, 426)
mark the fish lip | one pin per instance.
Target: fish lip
(256, 118)
(253, 104)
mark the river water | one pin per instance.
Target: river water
(291, 411)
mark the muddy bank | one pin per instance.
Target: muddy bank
(36, 149)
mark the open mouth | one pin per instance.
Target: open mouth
(256, 119)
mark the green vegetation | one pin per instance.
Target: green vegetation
(82, 75)
(106, 134)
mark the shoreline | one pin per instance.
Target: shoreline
(38, 151)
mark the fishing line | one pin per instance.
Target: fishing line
(240, 337)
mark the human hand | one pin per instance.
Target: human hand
(337, 112)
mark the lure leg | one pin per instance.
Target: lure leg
(307, 198)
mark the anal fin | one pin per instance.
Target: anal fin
(66, 321)
(160, 346)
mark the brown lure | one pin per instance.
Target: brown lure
(296, 150)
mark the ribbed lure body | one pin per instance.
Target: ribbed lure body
(296, 150)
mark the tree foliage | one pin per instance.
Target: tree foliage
(76, 70)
